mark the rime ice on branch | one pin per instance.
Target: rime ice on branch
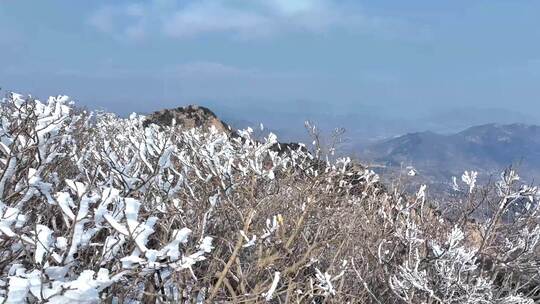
(97, 208)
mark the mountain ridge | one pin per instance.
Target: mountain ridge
(487, 148)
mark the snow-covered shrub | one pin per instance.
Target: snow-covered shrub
(94, 207)
(97, 208)
(502, 266)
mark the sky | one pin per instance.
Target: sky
(401, 58)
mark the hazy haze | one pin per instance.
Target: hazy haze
(394, 65)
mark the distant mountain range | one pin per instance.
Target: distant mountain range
(488, 149)
(364, 124)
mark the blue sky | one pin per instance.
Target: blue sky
(343, 57)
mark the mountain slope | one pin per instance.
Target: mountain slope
(486, 148)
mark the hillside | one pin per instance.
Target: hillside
(95, 208)
(487, 149)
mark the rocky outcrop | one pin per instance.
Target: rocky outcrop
(191, 116)
(194, 116)
(285, 147)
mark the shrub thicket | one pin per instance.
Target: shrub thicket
(96, 208)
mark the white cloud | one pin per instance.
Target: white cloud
(239, 18)
(103, 19)
(294, 7)
(213, 17)
(123, 22)
(204, 70)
